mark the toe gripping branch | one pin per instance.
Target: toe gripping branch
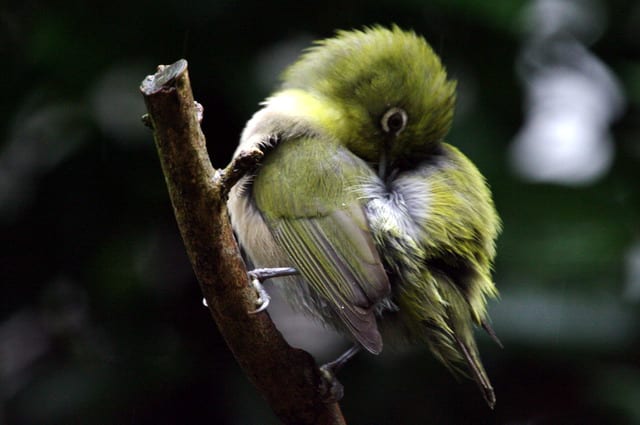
(258, 276)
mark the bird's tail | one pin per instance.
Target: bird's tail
(455, 347)
(453, 343)
(447, 328)
(472, 357)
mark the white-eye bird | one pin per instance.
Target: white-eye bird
(391, 229)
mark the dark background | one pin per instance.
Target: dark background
(101, 320)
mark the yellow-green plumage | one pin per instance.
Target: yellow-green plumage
(388, 225)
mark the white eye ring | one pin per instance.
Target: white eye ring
(394, 120)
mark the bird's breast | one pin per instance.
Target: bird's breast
(397, 211)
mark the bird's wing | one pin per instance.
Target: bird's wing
(336, 256)
(305, 193)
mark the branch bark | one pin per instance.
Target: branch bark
(287, 378)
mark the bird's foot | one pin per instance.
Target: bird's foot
(332, 390)
(258, 276)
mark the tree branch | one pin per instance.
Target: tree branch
(287, 377)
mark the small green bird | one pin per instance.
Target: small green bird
(392, 230)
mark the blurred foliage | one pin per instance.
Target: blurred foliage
(101, 320)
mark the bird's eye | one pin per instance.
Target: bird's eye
(394, 120)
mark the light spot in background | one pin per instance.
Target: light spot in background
(565, 139)
(584, 19)
(572, 97)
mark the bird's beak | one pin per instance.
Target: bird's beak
(382, 165)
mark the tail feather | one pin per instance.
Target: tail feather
(455, 345)
(449, 331)
(477, 371)
(491, 333)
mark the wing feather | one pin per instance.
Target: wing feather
(305, 191)
(336, 256)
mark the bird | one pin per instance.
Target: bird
(391, 230)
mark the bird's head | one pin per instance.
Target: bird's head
(389, 89)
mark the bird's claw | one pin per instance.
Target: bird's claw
(263, 297)
(331, 389)
(257, 276)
